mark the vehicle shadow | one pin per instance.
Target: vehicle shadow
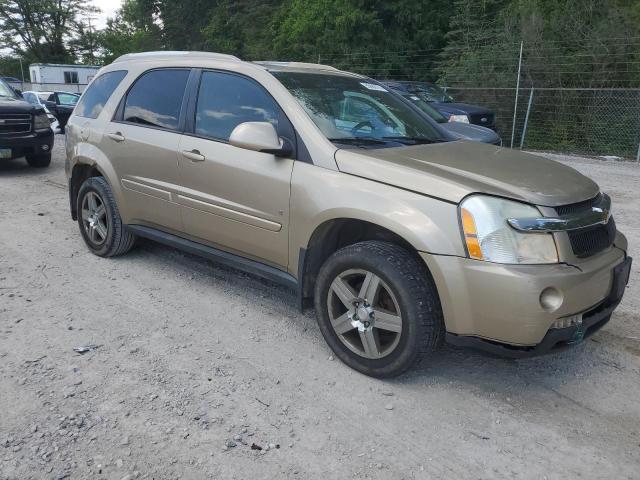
(19, 167)
(490, 375)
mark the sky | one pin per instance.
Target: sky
(108, 8)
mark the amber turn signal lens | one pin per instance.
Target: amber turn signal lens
(471, 235)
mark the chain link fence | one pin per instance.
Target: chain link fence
(553, 99)
(593, 121)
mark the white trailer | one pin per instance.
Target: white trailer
(54, 73)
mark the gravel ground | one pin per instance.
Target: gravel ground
(195, 364)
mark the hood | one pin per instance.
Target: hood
(17, 105)
(456, 108)
(453, 170)
(467, 131)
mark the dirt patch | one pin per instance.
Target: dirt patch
(197, 363)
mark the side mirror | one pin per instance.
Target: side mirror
(260, 137)
(18, 92)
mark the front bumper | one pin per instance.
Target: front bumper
(497, 307)
(32, 143)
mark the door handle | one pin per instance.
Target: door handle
(193, 155)
(116, 137)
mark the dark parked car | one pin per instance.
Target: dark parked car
(24, 129)
(61, 104)
(454, 130)
(444, 103)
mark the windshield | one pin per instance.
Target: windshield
(430, 93)
(426, 108)
(356, 110)
(6, 90)
(68, 98)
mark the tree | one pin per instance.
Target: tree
(134, 29)
(42, 30)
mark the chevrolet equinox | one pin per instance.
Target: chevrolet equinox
(329, 183)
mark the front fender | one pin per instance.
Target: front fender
(319, 195)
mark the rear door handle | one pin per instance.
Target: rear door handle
(193, 155)
(116, 137)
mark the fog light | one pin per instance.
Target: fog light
(551, 299)
(45, 147)
(567, 322)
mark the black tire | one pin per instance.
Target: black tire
(39, 161)
(118, 240)
(417, 298)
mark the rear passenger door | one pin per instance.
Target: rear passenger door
(142, 142)
(232, 197)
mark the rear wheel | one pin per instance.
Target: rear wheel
(39, 161)
(378, 308)
(99, 220)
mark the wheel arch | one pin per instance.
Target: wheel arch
(332, 235)
(90, 162)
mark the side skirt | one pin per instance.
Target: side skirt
(220, 256)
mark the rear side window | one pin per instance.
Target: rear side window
(226, 100)
(94, 99)
(156, 98)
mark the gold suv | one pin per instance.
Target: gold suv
(327, 182)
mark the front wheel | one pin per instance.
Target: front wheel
(378, 308)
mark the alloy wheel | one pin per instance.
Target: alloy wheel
(364, 313)
(94, 218)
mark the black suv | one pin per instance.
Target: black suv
(444, 103)
(25, 130)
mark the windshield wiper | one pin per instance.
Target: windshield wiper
(359, 140)
(413, 140)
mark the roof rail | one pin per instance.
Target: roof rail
(168, 55)
(311, 66)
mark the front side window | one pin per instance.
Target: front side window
(155, 99)
(96, 96)
(226, 100)
(6, 90)
(349, 109)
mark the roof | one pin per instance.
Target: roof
(175, 55)
(66, 65)
(296, 65)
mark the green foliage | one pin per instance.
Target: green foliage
(42, 30)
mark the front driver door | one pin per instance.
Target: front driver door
(234, 198)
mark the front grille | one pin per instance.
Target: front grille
(477, 119)
(589, 241)
(14, 123)
(579, 207)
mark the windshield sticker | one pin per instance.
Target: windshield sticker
(413, 97)
(373, 86)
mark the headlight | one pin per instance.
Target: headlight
(459, 118)
(41, 122)
(489, 237)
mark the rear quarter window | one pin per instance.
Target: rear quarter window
(98, 93)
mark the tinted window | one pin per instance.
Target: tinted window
(226, 100)
(67, 98)
(156, 99)
(98, 93)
